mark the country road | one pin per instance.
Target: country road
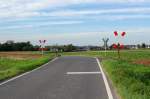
(68, 77)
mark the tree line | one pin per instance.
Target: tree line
(62, 48)
(18, 46)
(27, 46)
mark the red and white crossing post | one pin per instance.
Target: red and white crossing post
(42, 45)
(119, 45)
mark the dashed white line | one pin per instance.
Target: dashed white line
(109, 93)
(80, 73)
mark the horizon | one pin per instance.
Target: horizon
(77, 22)
(100, 45)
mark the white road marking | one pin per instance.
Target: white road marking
(109, 93)
(80, 73)
(26, 73)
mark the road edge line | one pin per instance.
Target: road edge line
(14, 78)
(109, 93)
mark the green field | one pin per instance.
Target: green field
(130, 74)
(14, 63)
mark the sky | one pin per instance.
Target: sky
(80, 22)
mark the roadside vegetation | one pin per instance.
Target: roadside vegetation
(130, 74)
(14, 63)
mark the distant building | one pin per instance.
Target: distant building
(10, 42)
(131, 47)
(88, 48)
(147, 46)
(82, 48)
(135, 46)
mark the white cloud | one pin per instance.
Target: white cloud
(119, 17)
(15, 9)
(107, 14)
(29, 8)
(124, 17)
(127, 13)
(42, 24)
(132, 10)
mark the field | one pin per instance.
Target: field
(14, 63)
(130, 74)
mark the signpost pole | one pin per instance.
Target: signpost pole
(119, 46)
(105, 40)
(118, 50)
(42, 42)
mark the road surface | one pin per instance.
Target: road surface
(68, 77)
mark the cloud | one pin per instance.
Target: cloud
(124, 17)
(43, 24)
(107, 14)
(121, 17)
(127, 13)
(52, 12)
(131, 10)
(29, 8)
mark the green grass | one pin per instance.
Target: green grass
(131, 80)
(11, 67)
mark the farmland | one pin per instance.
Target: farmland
(14, 63)
(130, 74)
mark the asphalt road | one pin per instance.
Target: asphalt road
(65, 78)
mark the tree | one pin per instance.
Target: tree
(138, 46)
(143, 45)
(69, 48)
(19, 46)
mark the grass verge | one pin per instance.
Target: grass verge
(11, 67)
(131, 81)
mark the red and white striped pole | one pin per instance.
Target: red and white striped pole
(42, 43)
(119, 45)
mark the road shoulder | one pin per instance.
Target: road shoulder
(111, 85)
